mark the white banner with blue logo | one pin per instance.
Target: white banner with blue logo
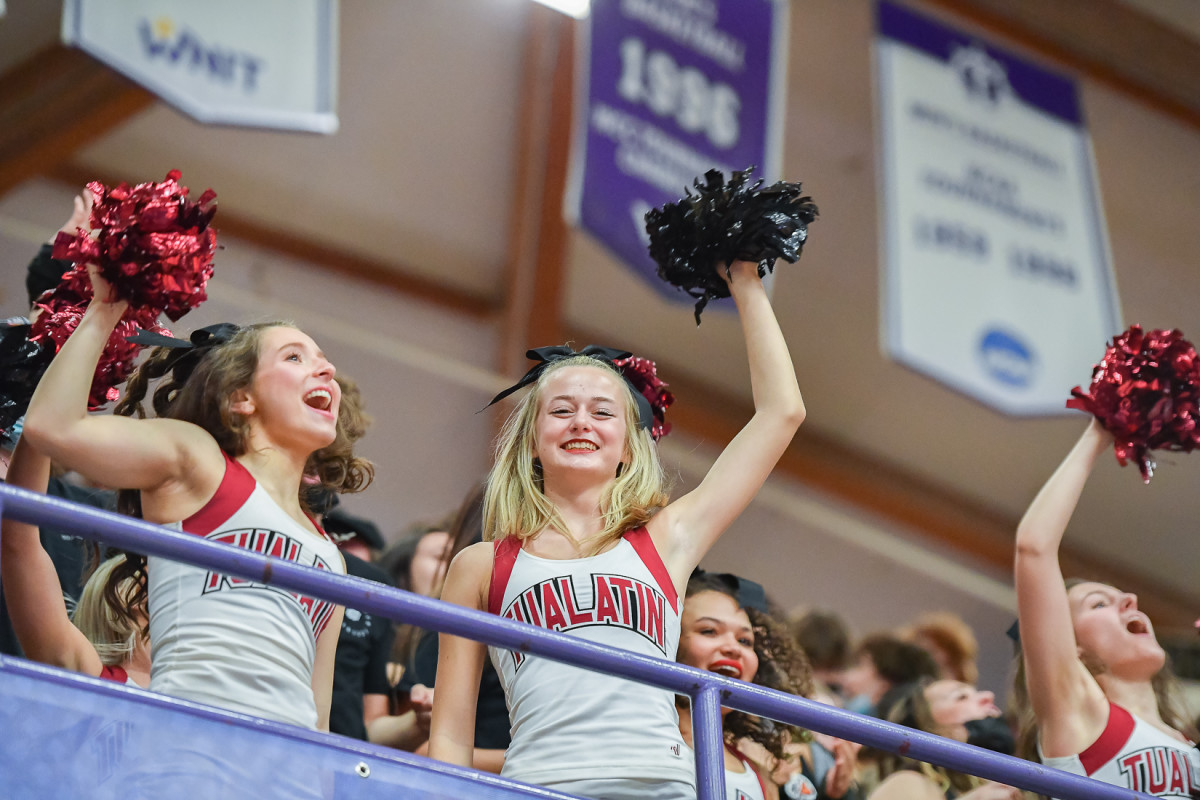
(267, 63)
(997, 275)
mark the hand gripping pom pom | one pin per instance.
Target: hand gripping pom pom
(153, 245)
(1146, 393)
(642, 374)
(723, 222)
(62, 309)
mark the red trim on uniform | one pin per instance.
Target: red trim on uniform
(504, 558)
(762, 784)
(644, 546)
(1116, 733)
(237, 484)
(114, 673)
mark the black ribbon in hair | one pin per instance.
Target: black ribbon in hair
(749, 594)
(1014, 632)
(545, 356)
(191, 350)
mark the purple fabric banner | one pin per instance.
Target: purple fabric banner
(674, 88)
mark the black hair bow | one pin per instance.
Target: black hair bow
(545, 356)
(749, 593)
(191, 350)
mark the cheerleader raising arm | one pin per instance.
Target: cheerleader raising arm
(687, 528)
(176, 464)
(1069, 704)
(244, 414)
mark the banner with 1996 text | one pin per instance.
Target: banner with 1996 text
(674, 88)
(997, 275)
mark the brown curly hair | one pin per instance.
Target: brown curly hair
(199, 387)
(782, 665)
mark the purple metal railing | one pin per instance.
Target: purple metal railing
(708, 691)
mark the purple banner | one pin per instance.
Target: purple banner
(675, 88)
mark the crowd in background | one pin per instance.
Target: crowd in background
(385, 673)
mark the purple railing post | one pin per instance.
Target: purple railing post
(709, 740)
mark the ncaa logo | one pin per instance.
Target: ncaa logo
(1007, 358)
(799, 787)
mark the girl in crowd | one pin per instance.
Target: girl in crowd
(1093, 686)
(491, 713)
(955, 710)
(105, 641)
(416, 563)
(725, 630)
(580, 530)
(243, 414)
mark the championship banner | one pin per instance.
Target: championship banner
(997, 275)
(669, 90)
(269, 63)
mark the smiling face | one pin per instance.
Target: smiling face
(580, 426)
(293, 397)
(954, 703)
(716, 635)
(1109, 626)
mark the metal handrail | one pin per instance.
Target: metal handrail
(708, 691)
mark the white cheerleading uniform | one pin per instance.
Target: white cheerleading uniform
(744, 785)
(572, 728)
(231, 642)
(1133, 753)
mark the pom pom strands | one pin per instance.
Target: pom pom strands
(62, 309)
(150, 242)
(723, 222)
(154, 247)
(642, 375)
(1146, 393)
(22, 363)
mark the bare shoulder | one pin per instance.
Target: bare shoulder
(469, 576)
(474, 557)
(907, 785)
(196, 468)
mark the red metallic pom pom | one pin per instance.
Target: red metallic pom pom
(643, 374)
(1146, 393)
(150, 242)
(62, 309)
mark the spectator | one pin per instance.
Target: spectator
(880, 663)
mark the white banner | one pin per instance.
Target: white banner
(997, 277)
(266, 63)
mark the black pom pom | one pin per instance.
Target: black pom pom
(22, 363)
(723, 222)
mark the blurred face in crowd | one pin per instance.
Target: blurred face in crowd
(862, 680)
(429, 563)
(954, 703)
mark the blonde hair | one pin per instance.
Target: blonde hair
(111, 629)
(515, 504)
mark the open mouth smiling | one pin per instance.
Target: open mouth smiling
(726, 667)
(320, 399)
